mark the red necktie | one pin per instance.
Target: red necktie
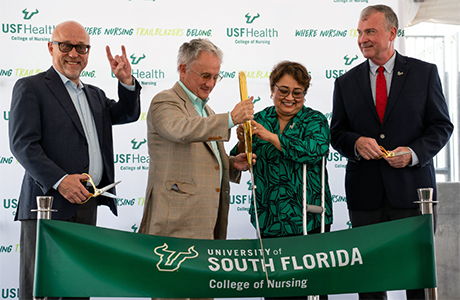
(381, 93)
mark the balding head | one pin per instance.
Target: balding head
(69, 28)
(69, 64)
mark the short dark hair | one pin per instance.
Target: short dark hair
(296, 70)
(391, 19)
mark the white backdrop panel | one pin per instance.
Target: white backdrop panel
(254, 36)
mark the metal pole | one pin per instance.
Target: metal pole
(314, 208)
(44, 210)
(304, 204)
(322, 211)
(323, 194)
(44, 204)
(426, 207)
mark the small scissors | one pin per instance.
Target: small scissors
(101, 191)
(392, 154)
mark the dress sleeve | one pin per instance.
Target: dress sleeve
(309, 142)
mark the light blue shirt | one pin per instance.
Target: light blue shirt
(201, 111)
(78, 96)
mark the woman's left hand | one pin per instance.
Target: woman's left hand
(263, 134)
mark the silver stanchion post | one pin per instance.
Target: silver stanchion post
(426, 207)
(44, 211)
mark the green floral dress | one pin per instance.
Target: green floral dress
(278, 175)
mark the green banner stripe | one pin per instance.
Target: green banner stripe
(86, 261)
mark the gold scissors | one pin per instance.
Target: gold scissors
(392, 154)
(101, 191)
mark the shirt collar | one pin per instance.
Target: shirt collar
(389, 65)
(197, 102)
(65, 79)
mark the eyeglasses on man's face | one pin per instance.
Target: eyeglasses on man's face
(296, 93)
(67, 47)
(207, 76)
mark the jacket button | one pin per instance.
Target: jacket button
(218, 190)
(382, 136)
(216, 167)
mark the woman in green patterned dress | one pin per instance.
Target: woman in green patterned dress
(286, 136)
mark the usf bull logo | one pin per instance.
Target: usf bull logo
(250, 19)
(171, 260)
(249, 183)
(135, 60)
(136, 144)
(348, 60)
(28, 15)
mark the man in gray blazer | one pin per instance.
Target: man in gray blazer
(188, 185)
(60, 128)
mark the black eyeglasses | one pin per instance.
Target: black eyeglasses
(296, 93)
(67, 47)
(207, 76)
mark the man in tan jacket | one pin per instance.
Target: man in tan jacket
(188, 185)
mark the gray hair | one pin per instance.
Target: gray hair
(390, 21)
(189, 51)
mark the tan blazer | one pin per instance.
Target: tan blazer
(185, 197)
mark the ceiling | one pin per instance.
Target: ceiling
(434, 11)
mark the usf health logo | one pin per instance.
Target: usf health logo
(29, 14)
(335, 73)
(171, 260)
(135, 60)
(136, 144)
(249, 183)
(250, 18)
(348, 60)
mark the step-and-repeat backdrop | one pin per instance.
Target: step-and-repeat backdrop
(254, 36)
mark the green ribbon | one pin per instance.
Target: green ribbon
(75, 260)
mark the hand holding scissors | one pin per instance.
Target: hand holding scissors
(392, 154)
(101, 191)
(398, 158)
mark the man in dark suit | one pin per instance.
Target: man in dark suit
(60, 128)
(413, 121)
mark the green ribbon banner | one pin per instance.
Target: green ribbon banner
(75, 260)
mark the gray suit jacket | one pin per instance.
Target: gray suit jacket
(185, 197)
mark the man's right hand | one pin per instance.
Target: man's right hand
(243, 111)
(368, 148)
(72, 189)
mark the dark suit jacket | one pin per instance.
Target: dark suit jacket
(416, 116)
(47, 137)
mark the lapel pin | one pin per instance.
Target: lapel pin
(400, 73)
